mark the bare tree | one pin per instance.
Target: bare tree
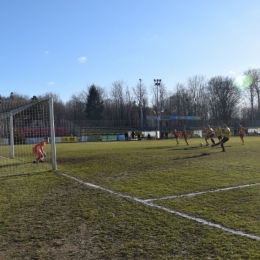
(141, 98)
(159, 97)
(117, 98)
(224, 98)
(254, 91)
(76, 106)
(174, 104)
(130, 104)
(196, 87)
(59, 107)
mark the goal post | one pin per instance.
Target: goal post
(52, 131)
(22, 126)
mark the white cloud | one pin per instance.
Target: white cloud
(82, 59)
(46, 52)
(51, 83)
(232, 72)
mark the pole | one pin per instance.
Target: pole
(141, 105)
(52, 130)
(158, 125)
(157, 83)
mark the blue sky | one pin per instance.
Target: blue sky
(63, 46)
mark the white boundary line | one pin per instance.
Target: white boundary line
(147, 203)
(203, 192)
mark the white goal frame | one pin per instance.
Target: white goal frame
(10, 115)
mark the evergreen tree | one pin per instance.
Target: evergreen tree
(95, 105)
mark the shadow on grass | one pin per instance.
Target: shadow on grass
(7, 176)
(179, 148)
(159, 147)
(191, 157)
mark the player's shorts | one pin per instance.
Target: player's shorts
(36, 150)
(242, 135)
(225, 139)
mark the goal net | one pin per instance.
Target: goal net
(22, 126)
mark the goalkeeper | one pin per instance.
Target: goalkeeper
(38, 150)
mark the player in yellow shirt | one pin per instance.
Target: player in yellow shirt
(209, 135)
(219, 132)
(226, 135)
(242, 131)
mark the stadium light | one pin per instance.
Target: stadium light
(157, 83)
(141, 105)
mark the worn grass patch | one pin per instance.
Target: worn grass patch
(49, 216)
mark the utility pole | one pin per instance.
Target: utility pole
(157, 83)
(141, 104)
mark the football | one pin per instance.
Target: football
(200, 144)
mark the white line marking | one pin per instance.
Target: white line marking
(203, 192)
(147, 203)
(205, 222)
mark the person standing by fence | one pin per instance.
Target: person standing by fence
(133, 135)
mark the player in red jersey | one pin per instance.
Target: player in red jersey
(176, 134)
(185, 135)
(38, 150)
(242, 131)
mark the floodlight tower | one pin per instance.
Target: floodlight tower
(141, 104)
(157, 83)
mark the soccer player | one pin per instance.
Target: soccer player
(242, 131)
(209, 135)
(226, 135)
(185, 134)
(176, 134)
(38, 150)
(219, 133)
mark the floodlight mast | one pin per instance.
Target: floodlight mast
(157, 83)
(141, 104)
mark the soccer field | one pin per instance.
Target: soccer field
(136, 200)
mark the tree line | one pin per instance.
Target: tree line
(215, 100)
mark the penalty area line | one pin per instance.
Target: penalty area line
(205, 222)
(203, 192)
(148, 203)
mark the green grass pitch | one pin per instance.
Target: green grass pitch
(149, 200)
